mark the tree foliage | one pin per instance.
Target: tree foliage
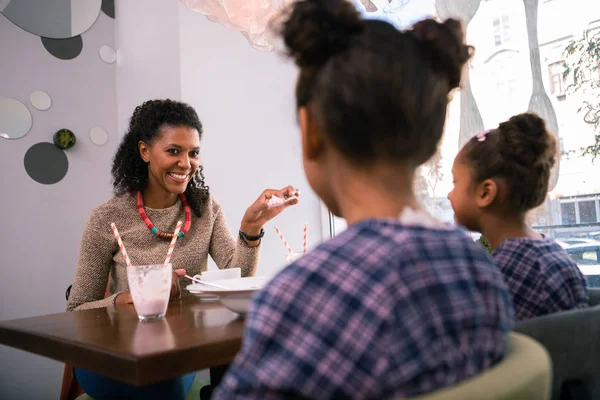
(582, 62)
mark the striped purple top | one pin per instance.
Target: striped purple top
(384, 309)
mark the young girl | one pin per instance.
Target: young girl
(498, 177)
(392, 307)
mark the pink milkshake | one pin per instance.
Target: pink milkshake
(150, 287)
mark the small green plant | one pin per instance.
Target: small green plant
(486, 245)
(582, 69)
(64, 139)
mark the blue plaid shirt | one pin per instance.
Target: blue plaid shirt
(542, 277)
(384, 309)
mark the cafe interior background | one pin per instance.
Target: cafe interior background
(83, 65)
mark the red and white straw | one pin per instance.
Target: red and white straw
(304, 240)
(285, 243)
(121, 245)
(172, 245)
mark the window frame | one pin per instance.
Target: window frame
(559, 75)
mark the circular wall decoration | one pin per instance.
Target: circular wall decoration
(52, 19)
(15, 118)
(98, 136)
(107, 54)
(40, 100)
(65, 49)
(64, 139)
(108, 8)
(45, 163)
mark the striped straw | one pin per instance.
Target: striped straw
(172, 245)
(285, 243)
(121, 245)
(304, 240)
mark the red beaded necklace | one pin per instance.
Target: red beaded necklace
(155, 231)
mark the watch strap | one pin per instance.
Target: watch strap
(247, 238)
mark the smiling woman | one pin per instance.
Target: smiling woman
(162, 134)
(158, 181)
(175, 160)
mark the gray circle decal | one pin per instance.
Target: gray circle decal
(45, 163)
(65, 49)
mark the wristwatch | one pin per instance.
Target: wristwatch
(247, 238)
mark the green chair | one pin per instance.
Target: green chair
(524, 374)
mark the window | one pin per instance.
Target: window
(504, 74)
(505, 29)
(567, 211)
(557, 80)
(497, 32)
(581, 209)
(501, 30)
(501, 81)
(339, 225)
(587, 212)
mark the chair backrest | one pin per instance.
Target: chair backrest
(594, 296)
(572, 339)
(525, 373)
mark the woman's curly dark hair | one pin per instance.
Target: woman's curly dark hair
(130, 171)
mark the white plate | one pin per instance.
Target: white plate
(250, 284)
(239, 295)
(238, 302)
(205, 297)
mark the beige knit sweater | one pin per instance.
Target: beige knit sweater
(100, 256)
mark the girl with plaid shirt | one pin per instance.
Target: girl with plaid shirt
(398, 304)
(499, 176)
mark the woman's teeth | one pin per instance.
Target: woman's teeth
(177, 176)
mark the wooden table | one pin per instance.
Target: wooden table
(112, 341)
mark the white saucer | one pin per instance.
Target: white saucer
(205, 297)
(239, 295)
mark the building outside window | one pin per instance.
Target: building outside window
(557, 80)
(503, 81)
(501, 30)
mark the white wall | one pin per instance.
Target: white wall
(147, 38)
(42, 224)
(245, 99)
